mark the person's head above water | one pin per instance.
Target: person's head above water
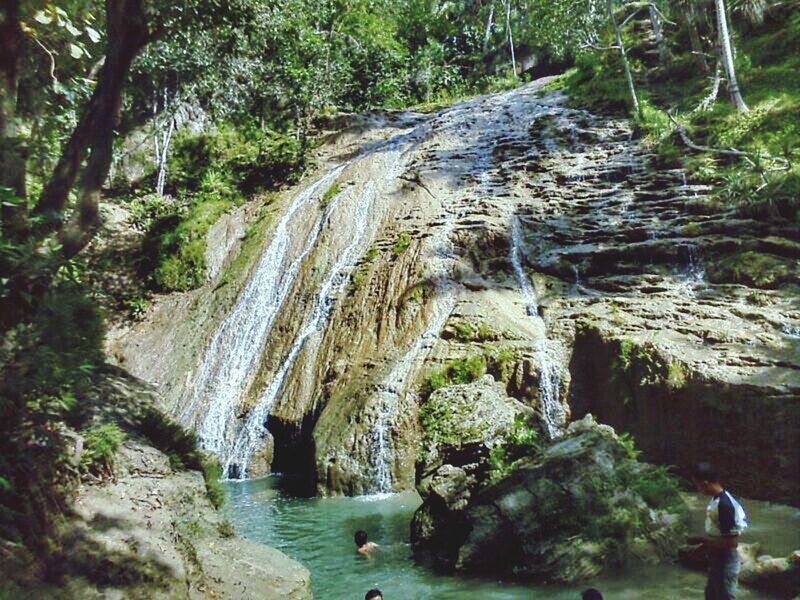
(706, 479)
(360, 538)
(591, 594)
(374, 595)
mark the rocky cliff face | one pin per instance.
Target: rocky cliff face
(508, 224)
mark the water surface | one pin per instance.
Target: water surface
(318, 532)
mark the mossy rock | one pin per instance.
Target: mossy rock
(754, 269)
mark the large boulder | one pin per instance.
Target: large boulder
(461, 425)
(563, 513)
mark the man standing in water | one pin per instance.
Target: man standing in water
(725, 522)
(364, 546)
(374, 595)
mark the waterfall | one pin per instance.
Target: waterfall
(237, 458)
(553, 413)
(531, 302)
(251, 435)
(231, 361)
(394, 385)
(695, 272)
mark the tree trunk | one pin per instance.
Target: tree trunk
(624, 55)
(510, 37)
(13, 152)
(727, 56)
(658, 34)
(94, 134)
(489, 24)
(694, 36)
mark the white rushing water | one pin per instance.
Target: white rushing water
(231, 361)
(236, 458)
(250, 436)
(553, 414)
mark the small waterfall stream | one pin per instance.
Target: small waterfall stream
(553, 413)
(229, 364)
(251, 434)
(396, 384)
(232, 361)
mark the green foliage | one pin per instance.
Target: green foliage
(460, 370)
(136, 307)
(627, 441)
(182, 251)
(521, 442)
(47, 364)
(501, 362)
(442, 423)
(466, 331)
(212, 474)
(372, 254)
(209, 173)
(242, 159)
(676, 374)
(101, 443)
(657, 487)
(330, 194)
(754, 269)
(357, 280)
(225, 529)
(146, 210)
(402, 243)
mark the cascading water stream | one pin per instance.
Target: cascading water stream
(396, 383)
(553, 413)
(251, 435)
(229, 365)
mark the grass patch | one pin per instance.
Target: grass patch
(101, 444)
(402, 243)
(460, 370)
(330, 194)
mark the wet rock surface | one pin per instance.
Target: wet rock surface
(565, 514)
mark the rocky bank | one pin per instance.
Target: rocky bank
(148, 530)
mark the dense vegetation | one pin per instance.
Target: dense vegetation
(259, 80)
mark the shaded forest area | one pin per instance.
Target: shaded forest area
(712, 86)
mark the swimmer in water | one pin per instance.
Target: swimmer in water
(364, 546)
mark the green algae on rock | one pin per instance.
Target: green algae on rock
(582, 505)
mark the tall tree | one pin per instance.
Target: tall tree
(726, 48)
(12, 147)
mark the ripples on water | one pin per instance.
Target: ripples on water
(318, 532)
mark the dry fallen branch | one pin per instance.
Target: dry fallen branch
(751, 158)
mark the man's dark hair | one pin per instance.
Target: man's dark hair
(360, 538)
(705, 472)
(372, 594)
(591, 594)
